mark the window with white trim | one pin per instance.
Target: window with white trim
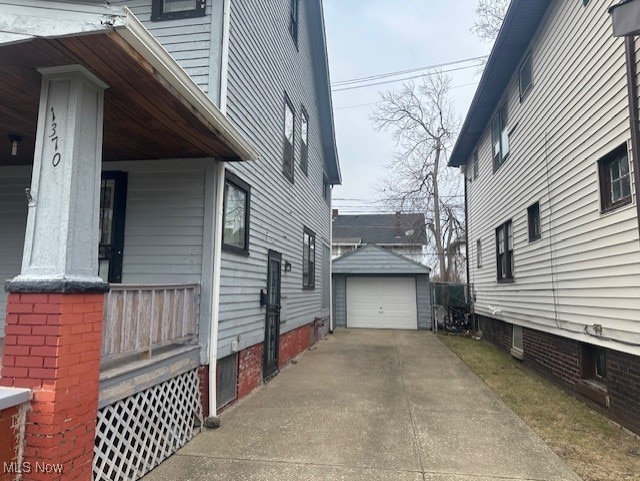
(504, 252)
(500, 137)
(175, 9)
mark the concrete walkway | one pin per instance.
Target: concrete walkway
(374, 406)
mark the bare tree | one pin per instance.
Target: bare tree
(424, 127)
(490, 14)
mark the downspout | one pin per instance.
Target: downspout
(331, 321)
(632, 88)
(466, 246)
(213, 420)
(217, 258)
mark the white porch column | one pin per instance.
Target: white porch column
(61, 242)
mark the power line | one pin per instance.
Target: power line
(401, 79)
(402, 72)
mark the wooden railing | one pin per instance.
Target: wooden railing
(139, 319)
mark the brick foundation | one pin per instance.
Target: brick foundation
(496, 332)
(52, 345)
(553, 355)
(9, 433)
(561, 359)
(203, 377)
(623, 386)
(249, 370)
(293, 343)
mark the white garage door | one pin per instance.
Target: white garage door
(382, 302)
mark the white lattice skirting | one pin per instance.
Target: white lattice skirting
(136, 434)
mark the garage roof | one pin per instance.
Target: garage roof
(373, 259)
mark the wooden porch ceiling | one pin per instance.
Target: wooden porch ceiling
(144, 116)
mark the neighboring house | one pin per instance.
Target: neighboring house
(376, 288)
(404, 234)
(554, 252)
(178, 155)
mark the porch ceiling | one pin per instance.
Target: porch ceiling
(145, 116)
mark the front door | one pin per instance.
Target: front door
(113, 195)
(272, 325)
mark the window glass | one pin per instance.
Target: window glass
(235, 216)
(170, 6)
(525, 76)
(308, 259)
(615, 179)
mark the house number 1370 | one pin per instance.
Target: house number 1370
(55, 160)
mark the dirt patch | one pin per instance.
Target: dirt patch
(587, 441)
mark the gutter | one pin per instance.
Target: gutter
(146, 45)
(632, 88)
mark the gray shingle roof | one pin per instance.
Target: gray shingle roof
(375, 260)
(383, 229)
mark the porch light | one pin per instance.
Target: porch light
(287, 266)
(15, 140)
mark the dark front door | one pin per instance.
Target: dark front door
(113, 195)
(272, 326)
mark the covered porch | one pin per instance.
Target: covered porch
(87, 97)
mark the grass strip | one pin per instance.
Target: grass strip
(586, 440)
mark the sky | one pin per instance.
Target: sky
(378, 36)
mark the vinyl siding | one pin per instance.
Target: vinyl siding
(188, 40)
(263, 65)
(13, 222)
(423, 292)
(164, 221)
(585, 269)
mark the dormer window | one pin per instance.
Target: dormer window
(174, 9)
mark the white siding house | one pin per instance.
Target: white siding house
(553, 233)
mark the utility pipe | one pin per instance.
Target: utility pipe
(632, 88)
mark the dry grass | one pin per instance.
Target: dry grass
(593, 446)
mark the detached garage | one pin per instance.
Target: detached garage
(378, 289)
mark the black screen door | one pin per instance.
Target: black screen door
(113, 195)
(272, 325)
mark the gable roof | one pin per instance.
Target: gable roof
(384, 229)
(520, 24)
(373, 259)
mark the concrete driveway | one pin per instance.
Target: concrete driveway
(375, 406)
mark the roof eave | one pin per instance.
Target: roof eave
(494, 80)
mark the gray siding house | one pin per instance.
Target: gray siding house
(376, 288)
(212, 196)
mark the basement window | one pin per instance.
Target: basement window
(175, 9)
(594, 374)
(226, 380)
(517, 343)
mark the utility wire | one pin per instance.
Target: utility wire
(373, 84)
(402, 72)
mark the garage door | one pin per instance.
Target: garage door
(382, 302)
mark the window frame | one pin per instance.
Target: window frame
(310, 281)
(289, 147)
(239, 184)
(606, 197)
(304, 141)
(533, 221)
(157, 11)
(294, 20)
(528, 59)
(507, 276)
(326, 189)
(502, 118)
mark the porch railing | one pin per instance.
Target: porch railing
(139, 319)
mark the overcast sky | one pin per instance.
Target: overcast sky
(378, 36)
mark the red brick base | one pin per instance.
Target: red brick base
(249, 370)
(52, 345)
(8, 442)
(203, 377)
(293, 343)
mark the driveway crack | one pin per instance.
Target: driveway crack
(416, 444)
